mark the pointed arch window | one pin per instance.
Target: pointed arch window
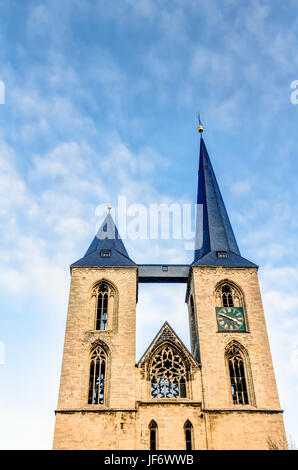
(188, 430)
(168, 374)
(228, 295)
(238, 380)
(103, 300)
(97, 377)
(153, 435)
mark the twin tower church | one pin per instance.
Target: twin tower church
(220, 395)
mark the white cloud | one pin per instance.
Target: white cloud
(28, 430)
(64, 161)
(279, 286)
(255, 20)
(12, 187)
(72, 227)
(280, 301)
(240, 187)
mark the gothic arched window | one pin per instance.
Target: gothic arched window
(238, 381)
(168, 374)
(188, 430)
(97, 377)
(153, 435)
(228, 295)
(227, 298)
(103, 298)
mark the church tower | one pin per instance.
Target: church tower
(227, 323)
(98, 367)
(221, 395)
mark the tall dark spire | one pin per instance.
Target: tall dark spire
(107, 248)
(215, 240)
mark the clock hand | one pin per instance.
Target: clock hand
(230, 318)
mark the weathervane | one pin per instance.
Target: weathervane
(200, 127)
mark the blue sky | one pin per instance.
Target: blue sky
(100, 101)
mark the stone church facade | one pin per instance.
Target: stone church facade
(220, 395)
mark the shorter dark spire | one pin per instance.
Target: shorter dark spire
(107, 248)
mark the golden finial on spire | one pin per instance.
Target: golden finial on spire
(200, 127)
(109, 207)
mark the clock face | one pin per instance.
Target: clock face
(230, 319)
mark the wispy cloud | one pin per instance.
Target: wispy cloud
(101, 99)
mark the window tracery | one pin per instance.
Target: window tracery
(103, 301)
(97, 376)
(227, 295)
(236, 365)
(168, 374)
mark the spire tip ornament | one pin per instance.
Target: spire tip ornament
(200, 127)
(109, 207)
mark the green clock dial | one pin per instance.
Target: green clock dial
(230, 319)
